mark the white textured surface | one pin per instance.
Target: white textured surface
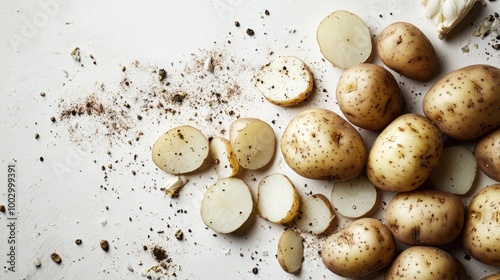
(63, 197)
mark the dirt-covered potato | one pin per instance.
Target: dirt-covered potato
(424, 262)
(481, 234)
(319, 144)
(364, 246)
(487, 153)
(404, 154)
(369, 96)
(405, 49)
(425, 217)
(465, 104)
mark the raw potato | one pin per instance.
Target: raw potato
(290, 251)
(495, 276)
(354, 198)
(456, 170)
(404, 154)
(487, 154)
(278, 200)
(253, 142)
(369, 96)
(180, 150)
(319, 144)
(225, 162)
(425, 217)
(344, 39)
(286, 81)
(315, 214)
(481, 234)
(423, 262)
(465, 104)
(226, 205)
(405, 49)
(362, 247)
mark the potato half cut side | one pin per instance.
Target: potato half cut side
(180, 150)
(286, 81)
(344, 39)
(226, 205)
(456, 170)
(278, 200)
(290, 251)
(315, 214)
(354, 198)
(225, 162)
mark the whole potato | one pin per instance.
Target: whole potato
(404, 154)
(423, 262)
(406, 50)
(364, 246)
(425, 217)
(369, 96)
(481, 234)
(465, 104)
(319, 144)
(487, 153)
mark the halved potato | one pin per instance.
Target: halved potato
(224, 159)
(354, 198)
(278, 200)
(290, 251)
(180, 150)
(315, 214)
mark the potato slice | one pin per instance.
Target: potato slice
(456, 170)
(286, 81)
(180, 150)
(226, 205)
(290, 251)
(253, 142)
(278, 200)
(225, 162)
(354, 198)
(315, 214)
(344, 39)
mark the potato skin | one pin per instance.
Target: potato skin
(423, 262)
(481, 233)
(465, 104)
(319, 144)
(404, 154)
(405, 49)
(425, 217)
(364, 246)
(369, 97)
(495, 276)
(487, 153)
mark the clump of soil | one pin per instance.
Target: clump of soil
(159, 253)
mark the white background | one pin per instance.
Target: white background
(64, 197)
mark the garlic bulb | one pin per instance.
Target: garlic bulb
(447, 13)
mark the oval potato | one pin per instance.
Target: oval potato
(487, 154)
(290, 251)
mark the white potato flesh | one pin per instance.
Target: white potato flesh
(253, 142)
(290, 251)
(180, 150)
(344, 39)
(225, 162)
(456, 170)
(226, 205)
(278, 200)
(315, 214)
(286, 81)
(354, 198)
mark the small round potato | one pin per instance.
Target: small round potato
(481, 234)
(423, 262)
(364, 246)
(369, 96)
(319, 144)
(425, 217)
(465, 104)
(404, 154)
(487, 153)
(405, 49)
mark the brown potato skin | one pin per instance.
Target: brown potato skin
(487, 153)
(465, 104)
(495, 276)
(405, 49)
